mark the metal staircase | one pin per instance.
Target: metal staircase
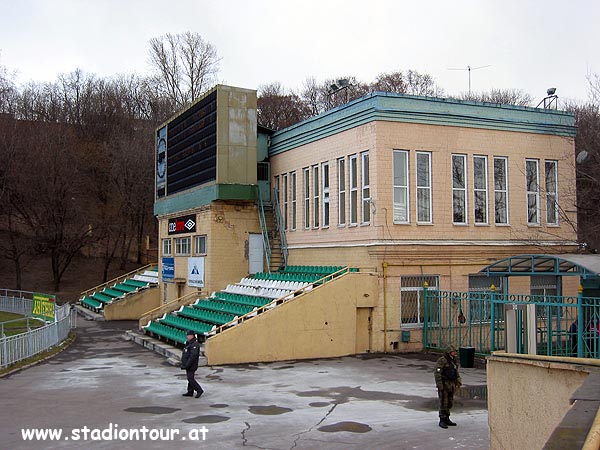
(273, 232)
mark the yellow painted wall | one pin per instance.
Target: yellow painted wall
(226, 226)
(529, 395)
(318, 324)
(133, 306)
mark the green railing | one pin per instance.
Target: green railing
(479, 320)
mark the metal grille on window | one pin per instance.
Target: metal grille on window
(412, 306)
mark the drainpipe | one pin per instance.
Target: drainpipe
(385, 307)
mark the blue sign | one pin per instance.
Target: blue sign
(168, 270)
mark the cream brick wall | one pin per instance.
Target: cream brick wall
(226, 226)
(381, 138)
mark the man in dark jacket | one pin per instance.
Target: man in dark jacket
(189, 363)
(447, 381)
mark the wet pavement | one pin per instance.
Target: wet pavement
(108, 390)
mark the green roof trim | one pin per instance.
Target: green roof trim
(201, 196)
(381, 106)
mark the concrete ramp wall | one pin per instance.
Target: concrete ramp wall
(320, 323)
(134, 305)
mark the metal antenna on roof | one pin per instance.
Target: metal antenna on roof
(469, 68)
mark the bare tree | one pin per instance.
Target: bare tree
(277, 108)
(410, 82)
(500, 96)
(185, 66)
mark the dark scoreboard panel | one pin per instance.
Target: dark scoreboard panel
(192, 146)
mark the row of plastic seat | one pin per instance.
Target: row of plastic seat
(272, 284)
(167, 332)
(324, 270)
(186, 323)
(257, 291)
(206, 316)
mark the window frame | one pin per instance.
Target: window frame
(179, 244)
(365, 189)
(402, 187)
(167, 242)
(424, 188)
(293, 195)
(306, 185)
(341, 166)
(197, 239)
(460, 190)
(552, 196)
(502, 192)
(325, 180)
(316, 195)
(533, 194)
(481, 190)
(353, 179)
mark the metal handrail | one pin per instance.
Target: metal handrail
(117, 279)
(279, 225)
(287, 297)
(168, 307)
(264, 229)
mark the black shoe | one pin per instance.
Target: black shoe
(188, 394)
(443, 424)
(199, 394)
(450, 423)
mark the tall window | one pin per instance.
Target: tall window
(480, 189)
(167, 247)
(200, 245)
(182, 246)
(293, 194)
(285, 201)
(277, 189)
(501, 190)
(533, 191)
(341, 191)
(401, 186)
(353, 190)
(325, 175)
(423, 187)
(552, 192)
(366, 191)
(307, 198)
(316, 196)
(459, 189)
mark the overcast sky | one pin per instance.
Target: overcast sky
(526, 44)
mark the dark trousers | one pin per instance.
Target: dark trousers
(193, 385)
(446, 401)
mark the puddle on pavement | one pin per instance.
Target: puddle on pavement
(207, 419)
(473, 392)
(319, 404)
(96, 368)
(271, 410)
(213, 377)
(352, 427)
(152, 410)
(219, 405)
(140, 365)
(283, 367)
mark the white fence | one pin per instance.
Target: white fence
(25, 345)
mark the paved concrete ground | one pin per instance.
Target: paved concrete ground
(375, 402)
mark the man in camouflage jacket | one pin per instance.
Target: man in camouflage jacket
(447, 381)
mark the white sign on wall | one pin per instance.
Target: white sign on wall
(196, 272)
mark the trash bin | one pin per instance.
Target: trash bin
(466, 356)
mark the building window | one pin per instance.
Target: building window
(401, 187)
(533, 191)
(459, 189)
(307, 198)
(200, 245)
(285, 201)
(423, 187)
(316, 196)
(293, 196)
(412, 307)
(501, 190)
(353, 190)
(325, 175)
(551, 192)
(366, 191)
(167, 247)
(480, 189)
(182, 246)
(341, 191)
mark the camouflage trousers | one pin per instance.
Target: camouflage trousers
(446, 401)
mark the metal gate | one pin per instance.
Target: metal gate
(489, 321)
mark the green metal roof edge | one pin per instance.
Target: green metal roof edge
(424, 110)
(204, 195)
